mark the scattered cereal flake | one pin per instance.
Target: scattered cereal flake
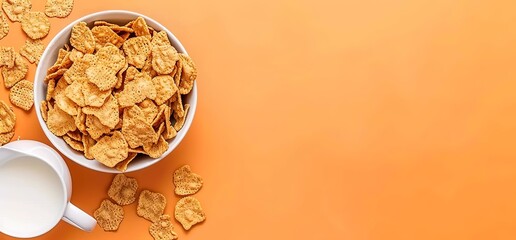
(186, 182)
(162, 229)
(58, 8)
(32, 50)
(35, 24)
(4, 26)
(7, 118)
(21, 95)
(6, 137)
(151, 205)
(123, 190)
(7, 56)
(16, 73)
(189, 212)
(109, 215)
(16, 8)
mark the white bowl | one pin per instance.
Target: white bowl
(40, 89)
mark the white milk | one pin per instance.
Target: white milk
(31, 196)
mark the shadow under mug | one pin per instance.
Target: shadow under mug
(35, 191)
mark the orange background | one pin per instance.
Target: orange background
(332, 120)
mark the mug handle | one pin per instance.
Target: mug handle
(78, 218)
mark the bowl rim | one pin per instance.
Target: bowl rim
(173, 143)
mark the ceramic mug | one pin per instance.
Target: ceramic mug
(35, 191)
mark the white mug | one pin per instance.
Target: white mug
(35, 191)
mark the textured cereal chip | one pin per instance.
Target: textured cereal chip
(160, 39)
(164, 59)
(136, 91)
(186, 182)
(59, 122)
(58, 8)
(80, 122)
(57, 65)
(188, 75)
(189, 212)
(111, 56)
(66, 62)
(104, 35)
(136, 129)
(59, 88)
(147, 67)
(155, 150)
(77, 71)
(51, 86)
(160, 117)
(114, 27)
(95, 128)
(123, 190)
(21, 95)
(137, 150)
(122, 166)
(76, 145)
(162, 229)
(110, 150)
(44, 110)
(16, 8)
(180, 121)
(149, 109)
(35, 24)
(7, 118)
(170, 131)
(82, 38)
(130, 74)
(140, 28)
(55, 75)
(109, 215)
(178, 70)
(74, 93)
(93, 96)
(103, 72)
(6, 137)
(87, 143)
(102, 76)
(16, 73)
(32, 50)
(7, 56)
(75, 135)
(107, 113)
(165, 88)
(151, 205)
(4, 26)
(66, 104)
(161, 129)
(177, 105)
(120, 76)
(137, 50)
(75, 55)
